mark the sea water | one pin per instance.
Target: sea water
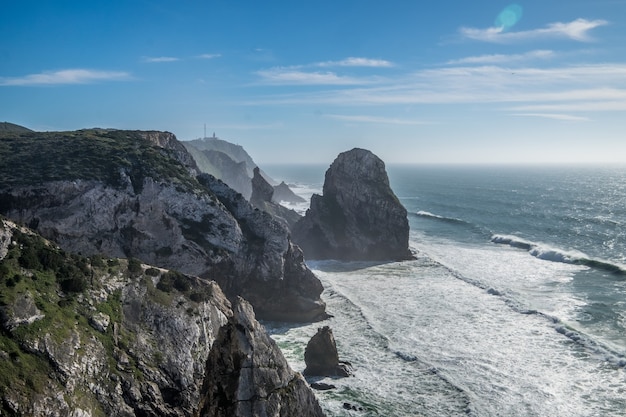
(514, 306)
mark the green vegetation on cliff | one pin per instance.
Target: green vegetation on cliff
(33, 158)
(62, 321)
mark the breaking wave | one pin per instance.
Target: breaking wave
(548, 253)
(430, 215)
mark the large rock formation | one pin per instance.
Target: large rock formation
(248, 376)
(92, 336)
(282, 193)
(135, 194)
(88, 337)
(263, 198)
(358, 217)
(321, 356)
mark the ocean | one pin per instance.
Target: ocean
(515, 305)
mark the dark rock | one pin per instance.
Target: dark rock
(322, 386)
(247, 375)
(282, 192)
(268, 270)
(358, 217)
(262, 197)
(321, 356)
(262, 191)
(136, 194)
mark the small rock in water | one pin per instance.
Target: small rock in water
(322, 386)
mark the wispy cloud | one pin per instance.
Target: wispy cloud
(68, 76)
(554, 116)
(290, 76)
(503, 58)
(357, 62)
(374, 119)
(208, 56)
(577, 30)
(526, 90)
(160, 59)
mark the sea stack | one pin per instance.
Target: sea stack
(358, 217)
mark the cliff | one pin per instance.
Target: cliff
(225, 161)
(135, 194)
(263, 198)
(358, 217)
(233, 165)
(249, 377)
(94, 336)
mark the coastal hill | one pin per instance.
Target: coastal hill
(233, 165)
(136, 194)
(94, 336)
(358, 217)
(11, 127)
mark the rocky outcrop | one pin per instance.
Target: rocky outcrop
(321, 356)
(263, 198)
(133, 194)
(248, 376)
(282, 193)
(358, 217)
(133, 340)
(262, 191)
(269, 270)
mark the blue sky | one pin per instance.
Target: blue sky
(300, 81)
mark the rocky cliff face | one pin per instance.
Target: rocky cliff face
(134, 194)
(293, 294)
(247, 376)
(358, 217)
(123, 339)
(93, 336)
(263, 198)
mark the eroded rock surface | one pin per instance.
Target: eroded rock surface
(358, 217)
(247, 375)
(321, 356)
(135, 194)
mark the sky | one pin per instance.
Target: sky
(300, 81)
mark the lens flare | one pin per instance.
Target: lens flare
(509, 16)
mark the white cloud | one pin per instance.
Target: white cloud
(68, 76)
(554, 116)
(208, 56)
(375, 119)
(504, 58)
(357, 62)
(290, 76)
(577, 30)
(530, 90)
(160, 59)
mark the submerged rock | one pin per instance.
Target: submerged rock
(247, 375)
(321, 356)
(358, 217)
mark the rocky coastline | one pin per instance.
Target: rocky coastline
(131, 280)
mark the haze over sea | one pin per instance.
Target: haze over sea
(515, 305)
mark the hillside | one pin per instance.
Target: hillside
(135, 194)
(95, 336)
(11, 127)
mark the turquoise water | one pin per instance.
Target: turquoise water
(514, 307)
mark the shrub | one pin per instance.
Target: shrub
(153, 272)
(134, 266)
